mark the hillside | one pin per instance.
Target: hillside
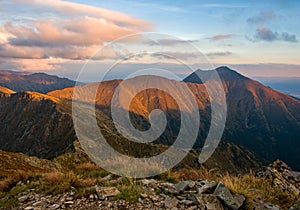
(35, 124)
(41, 125)
(259, 118)
(36, 82)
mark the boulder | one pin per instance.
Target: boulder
(209, 202)
(232, 201)
(104, 192)
(171, 202)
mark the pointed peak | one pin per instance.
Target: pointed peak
(225, 74)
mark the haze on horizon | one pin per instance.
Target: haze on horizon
(259, 39)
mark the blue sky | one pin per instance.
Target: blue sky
(252, 36)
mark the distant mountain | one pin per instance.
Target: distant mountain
(287, 85)
(259, 118)
(37, 82)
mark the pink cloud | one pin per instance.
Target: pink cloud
(221, 37)
(77, 34)
(71, 8)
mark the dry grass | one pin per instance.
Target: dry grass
(54, 178)
(87, 167)
(197, 174)
(254, 188)
(9, 182)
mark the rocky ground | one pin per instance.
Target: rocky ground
(155, 194)
(199, 194)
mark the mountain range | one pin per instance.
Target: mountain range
(259, 119)
(37, 82)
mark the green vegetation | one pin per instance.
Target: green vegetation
(130, 190)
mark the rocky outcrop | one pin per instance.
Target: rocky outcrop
(283, 177)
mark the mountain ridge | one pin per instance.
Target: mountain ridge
(36, 82)
(259, 118)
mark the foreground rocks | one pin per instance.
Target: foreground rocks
(283, 177)
(155, 194)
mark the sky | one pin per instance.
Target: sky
(257, 38)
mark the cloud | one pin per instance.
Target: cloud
(168, 42)
(75, 9)
(77, 33)
(221, 37)
(288, 37)
(266, 34)
(218, 54)
(31, 64)
(262, 17)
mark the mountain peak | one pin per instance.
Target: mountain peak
(225, 73)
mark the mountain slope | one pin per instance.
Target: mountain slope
(259, 118)
(5, 91)
(35, 124)
(37, 82)
(41, 125)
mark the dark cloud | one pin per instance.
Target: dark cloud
(266, 34)
(221, 37)
(262, 17)
(30, 43)
(288, 37)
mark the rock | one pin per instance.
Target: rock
(148, 182)
(104, 192)
(187, 202)
(283, 177)
(29, 208)
(38, 203)
(209, 202)
(107, 178)
(260, 205)
(171, 202)
(232, 201)
(180, 197)
(143, 195)
(182, 186)
(23, 198)
(205, 186)
(69, 203)
(170, 189)
(54, 206)
(192, 198)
